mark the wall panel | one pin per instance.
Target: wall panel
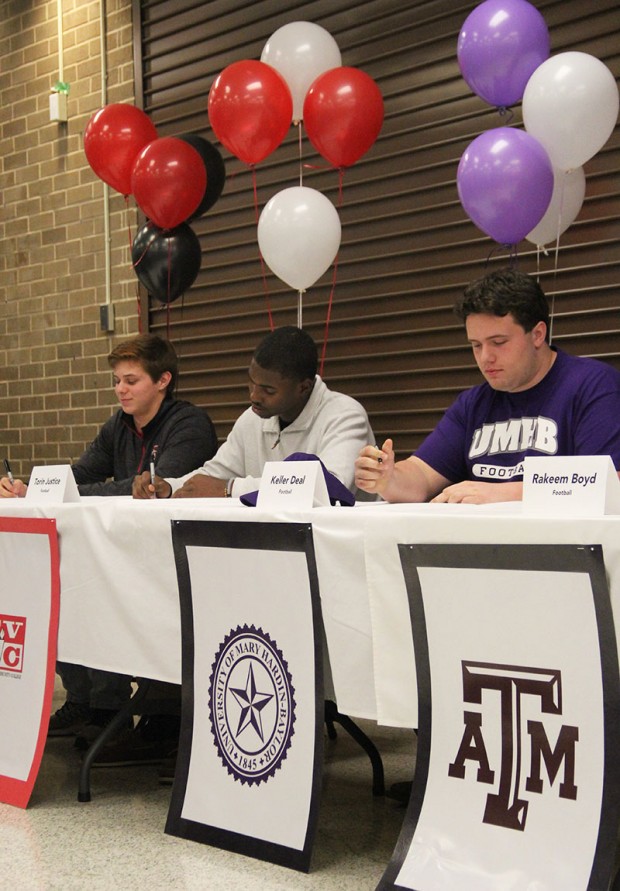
(408, 247)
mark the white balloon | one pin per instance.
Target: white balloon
(570, 105)
(569, 189)
(300, 51)
(299, 235)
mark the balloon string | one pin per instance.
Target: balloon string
(512, 253)
(330, 302)
(556, 257)
(328, 315)
(130, 239)
(260, 256)
(300, 319)
(169, 273)
(145, 251)
(255, 190)
(552, 307)
(503, 112)
(321, 167)
(301, 166)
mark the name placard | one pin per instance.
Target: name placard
(292, 485)
(579, 486)
(54, 482)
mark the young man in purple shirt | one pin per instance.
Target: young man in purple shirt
(536, 400)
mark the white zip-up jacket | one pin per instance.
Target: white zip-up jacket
(332, 426)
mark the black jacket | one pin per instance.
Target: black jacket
(183, 433)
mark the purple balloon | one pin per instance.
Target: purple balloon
(501, 44)
(505, 183)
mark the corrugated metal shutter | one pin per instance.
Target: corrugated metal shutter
(408, 247)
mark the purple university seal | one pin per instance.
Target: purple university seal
(251, 705)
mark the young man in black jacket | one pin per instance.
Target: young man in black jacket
(150, 425)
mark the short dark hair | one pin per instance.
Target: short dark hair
(154, 353)
(290, 351)
(503, 292)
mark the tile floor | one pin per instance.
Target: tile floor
(117, 841)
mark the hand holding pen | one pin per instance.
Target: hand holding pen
(152, 476)
(374, 467)
(9, 486)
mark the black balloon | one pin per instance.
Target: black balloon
(166, 262)
(216, 171)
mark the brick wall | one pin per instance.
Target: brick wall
(55, 384)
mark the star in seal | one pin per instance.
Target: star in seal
(251, 705)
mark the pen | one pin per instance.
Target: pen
(7, 467)
(152, 469)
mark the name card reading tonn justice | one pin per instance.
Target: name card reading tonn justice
(54, 482)
(292, 485)
(574, 486)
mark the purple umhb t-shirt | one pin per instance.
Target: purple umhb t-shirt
(486, 434)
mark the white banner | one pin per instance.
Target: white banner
(252, 693)
(29, 604)
(516, 775)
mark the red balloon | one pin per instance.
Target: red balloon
(343, 114)
(250, 109)
(168, 181)
(113, 138)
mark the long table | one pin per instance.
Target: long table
(119, 593)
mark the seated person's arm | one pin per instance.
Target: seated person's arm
(209, 481)
(476, 492)
(198, 485)
(411, 480)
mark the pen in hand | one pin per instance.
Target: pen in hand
(7, 467)
(152, 469)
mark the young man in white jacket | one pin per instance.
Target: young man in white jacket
(291, 410)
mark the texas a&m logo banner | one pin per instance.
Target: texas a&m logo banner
(517, 780)
(250, 756)
(29, 606)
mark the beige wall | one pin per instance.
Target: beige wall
(55, 384)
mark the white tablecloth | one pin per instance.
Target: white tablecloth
(119, 595)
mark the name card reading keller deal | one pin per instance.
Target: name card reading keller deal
(579, 486)
(54, 483)
(292, 485)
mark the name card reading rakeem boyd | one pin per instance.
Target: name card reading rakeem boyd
(579, 486)
(54, 483)
(292, 485)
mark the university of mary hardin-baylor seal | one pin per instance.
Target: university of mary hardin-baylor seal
(251, 705)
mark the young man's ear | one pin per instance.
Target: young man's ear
(539, 333)
(306, 385)
(164, 380)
